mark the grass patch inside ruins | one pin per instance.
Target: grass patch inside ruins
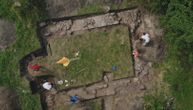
(99, 50)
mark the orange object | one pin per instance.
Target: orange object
(65, 61)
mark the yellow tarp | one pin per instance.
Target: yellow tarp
(64, 61)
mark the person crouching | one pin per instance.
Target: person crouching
(146, 38)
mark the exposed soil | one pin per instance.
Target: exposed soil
(7, 34)
(155, 49)
(8, 99)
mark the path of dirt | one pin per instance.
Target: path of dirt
(7, 34)
(8, 99)
(122, 94)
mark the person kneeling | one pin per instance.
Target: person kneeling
(47, 85)
(146, 38)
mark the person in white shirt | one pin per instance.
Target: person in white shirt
(47, 85)
(146, 38)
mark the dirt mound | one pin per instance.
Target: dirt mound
(8, 99)
(7, 34)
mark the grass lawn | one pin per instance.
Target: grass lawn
(99, 50)
(100, 7)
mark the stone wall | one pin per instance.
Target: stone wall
(68, 26)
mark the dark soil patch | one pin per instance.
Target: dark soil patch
(7, 34)
(8, 99)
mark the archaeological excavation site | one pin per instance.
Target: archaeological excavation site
(98, 58)
(96, 54)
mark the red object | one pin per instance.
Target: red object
(35, 67)
(135, 53)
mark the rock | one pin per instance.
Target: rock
(142, 87)
(48, 98)
(105, 86)
(14, 50)
(53, 91)
(112, 14)
(105, 78)
(110, 19)
(60, 82)
(91, 91)
(97, 86)
(70, 32)
(17, 4)
(150, 64)
(107, 8)
(145, 71)
(138, 67)
(67, 24)
(108, 77)
(42, 24)
(88, 22)
(47, 34)
(132, 31)
(25, 91)
(105, 92)
(129, 82)
(137, 73)
(135, 79)
(139, 21)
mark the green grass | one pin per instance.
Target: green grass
(93, 8)
(181, 80)
(176, 18)
(99, 51)
(25, 18)
(100, 7)
(156, 101)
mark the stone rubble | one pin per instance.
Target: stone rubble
(65, 27)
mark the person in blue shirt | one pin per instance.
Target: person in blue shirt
(114, 68)
(74, 99)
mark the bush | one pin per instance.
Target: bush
(177, 20)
